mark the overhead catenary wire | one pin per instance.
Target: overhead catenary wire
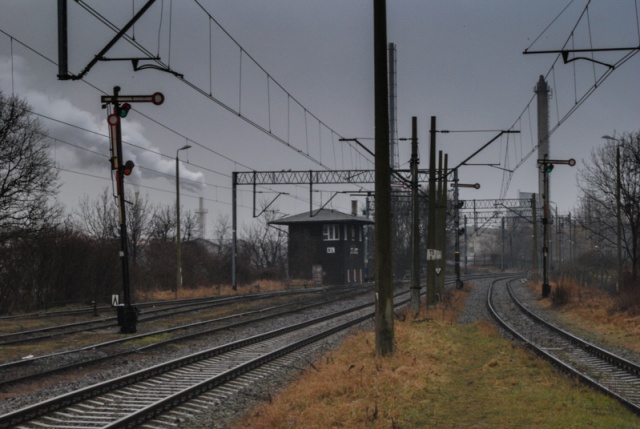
(243, 53)
(579, 99)
(189, 140)
(522, 155)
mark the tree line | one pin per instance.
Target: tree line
(49, 257)
(603, 194)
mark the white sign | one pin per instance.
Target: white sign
(438, 271)
(331, 250)
(114, 300)
(434, 254)
(354, 250)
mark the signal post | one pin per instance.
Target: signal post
(457, 205)
(127, 314)
(547, 167)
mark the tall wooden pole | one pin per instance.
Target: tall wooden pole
(534, 256)
(431, 230)
(441, 216)
(618, 221)
(178, 242)
(456, 224)
(415, 220)
(384, 280)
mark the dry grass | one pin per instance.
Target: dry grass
(589, 310)
(443, 375)
(220, 290)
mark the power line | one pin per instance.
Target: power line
(151, 187)
(190, 140)
(208, 95)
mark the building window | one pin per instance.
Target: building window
(353, 233)
(331, 232)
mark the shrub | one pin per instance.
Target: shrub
(564, 291)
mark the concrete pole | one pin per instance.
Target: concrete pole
(502, 244)
(234, 231)
(178, 242)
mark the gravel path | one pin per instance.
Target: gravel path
(475, 307)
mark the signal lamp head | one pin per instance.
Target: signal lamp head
(123, 110)
(548, 168)
(127, 168)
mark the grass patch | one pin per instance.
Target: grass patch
(259, 286)
(589, 311)
(443, 375)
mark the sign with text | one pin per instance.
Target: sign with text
(434, 254)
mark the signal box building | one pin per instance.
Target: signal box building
(328, 247)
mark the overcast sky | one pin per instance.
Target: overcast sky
(461, 61)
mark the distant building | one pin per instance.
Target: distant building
(328, 247)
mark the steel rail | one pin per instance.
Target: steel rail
(187, 306)
(54, 404)
(93, 361)
(566, 367)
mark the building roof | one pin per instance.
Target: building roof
(322, 216)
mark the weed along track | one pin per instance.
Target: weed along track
(594, 365)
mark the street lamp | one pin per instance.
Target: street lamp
(179, 269)
(618, 214)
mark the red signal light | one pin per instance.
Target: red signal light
(127, 168)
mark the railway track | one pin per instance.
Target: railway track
(149, 312)
(612, 374)
(130, 400)
(46, 365)
(245, 376)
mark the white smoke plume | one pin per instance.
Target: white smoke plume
(84, 145)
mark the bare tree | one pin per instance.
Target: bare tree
(138, 223)
(27, 172)
(98, 218)
(265, 245)
(598, 185)
(163, 224)
(222, 234)
(190, 227)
